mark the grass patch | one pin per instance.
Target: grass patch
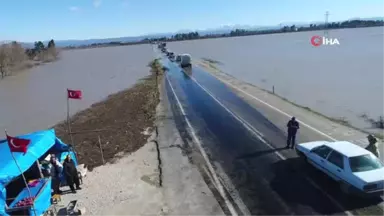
(212, 61)
(376, 123)
(119, 120)
(339, 120)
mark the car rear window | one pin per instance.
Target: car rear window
(364, 163)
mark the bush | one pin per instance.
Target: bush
(379, 123)
(13, 55)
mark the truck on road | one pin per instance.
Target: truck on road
(185, 60)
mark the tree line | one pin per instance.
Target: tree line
(311, 27)
(283, 29)
(243, 32)
(13, 56)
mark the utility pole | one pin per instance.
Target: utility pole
(326, 24)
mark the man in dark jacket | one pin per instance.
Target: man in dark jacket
(55, 172)
(293, 126)
(71, 174)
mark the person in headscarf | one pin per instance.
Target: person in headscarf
(372, 146)
(71, 174)
(292, 126)
(56, 169)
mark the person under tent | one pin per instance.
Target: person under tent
(71, 174)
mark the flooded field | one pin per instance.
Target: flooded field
(36, 99)
(342, 82)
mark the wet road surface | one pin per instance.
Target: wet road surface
(250, 150)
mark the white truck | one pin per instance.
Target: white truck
(185, 60)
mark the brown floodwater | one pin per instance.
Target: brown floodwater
(344, 81)
(36, 99)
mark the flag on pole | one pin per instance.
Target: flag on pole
(17, 144)
(74, 94)
(20, 145)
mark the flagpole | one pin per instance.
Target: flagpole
(69, 122)
(25, 180)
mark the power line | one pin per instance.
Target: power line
(326, 23)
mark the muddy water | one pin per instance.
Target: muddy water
(343, 81)
(36, 99)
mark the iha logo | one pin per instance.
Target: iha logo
(317, 41)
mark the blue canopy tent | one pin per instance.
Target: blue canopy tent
(41, 143)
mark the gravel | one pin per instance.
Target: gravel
(131, 182)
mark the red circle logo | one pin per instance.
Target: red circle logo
(316, 40)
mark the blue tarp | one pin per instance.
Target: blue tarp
(3, 197)
(41, 143)
(42, 192)
(43, 200)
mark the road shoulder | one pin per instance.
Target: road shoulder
(184, 188)
(279, 110)
(157, 178)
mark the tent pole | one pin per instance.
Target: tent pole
(26, 183)
(38, 166)
(69, 123)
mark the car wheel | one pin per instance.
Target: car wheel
(303, 160)
(301, 155)
(344, 187)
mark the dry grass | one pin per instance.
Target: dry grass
(122, 117)
(376, 123)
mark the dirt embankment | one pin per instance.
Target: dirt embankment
(119, 121)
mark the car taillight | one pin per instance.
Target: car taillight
(370, 187)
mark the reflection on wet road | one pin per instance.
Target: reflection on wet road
(249, 149)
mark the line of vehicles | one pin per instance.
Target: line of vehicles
(184, 60)
(357, 170)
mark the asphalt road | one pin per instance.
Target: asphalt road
(250, 150)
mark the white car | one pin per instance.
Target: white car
(355, 168)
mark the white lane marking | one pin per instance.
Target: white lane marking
(334, 201)
(250, 128)
(359, 141)
(263, 182)
(276, 109)
(204, 154)
(247, 125)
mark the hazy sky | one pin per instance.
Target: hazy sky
(30, 20)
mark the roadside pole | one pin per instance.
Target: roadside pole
(69, 124)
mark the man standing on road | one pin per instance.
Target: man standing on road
(372, 146)
(293, 126)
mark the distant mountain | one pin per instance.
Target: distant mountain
(368, 19)
(25, 45)
(64, 43)
(220, 30)
(5, 42)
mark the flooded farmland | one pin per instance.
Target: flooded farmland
(36, 99)
(342, 82)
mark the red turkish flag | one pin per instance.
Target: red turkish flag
(74, 94)
(18, 144)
